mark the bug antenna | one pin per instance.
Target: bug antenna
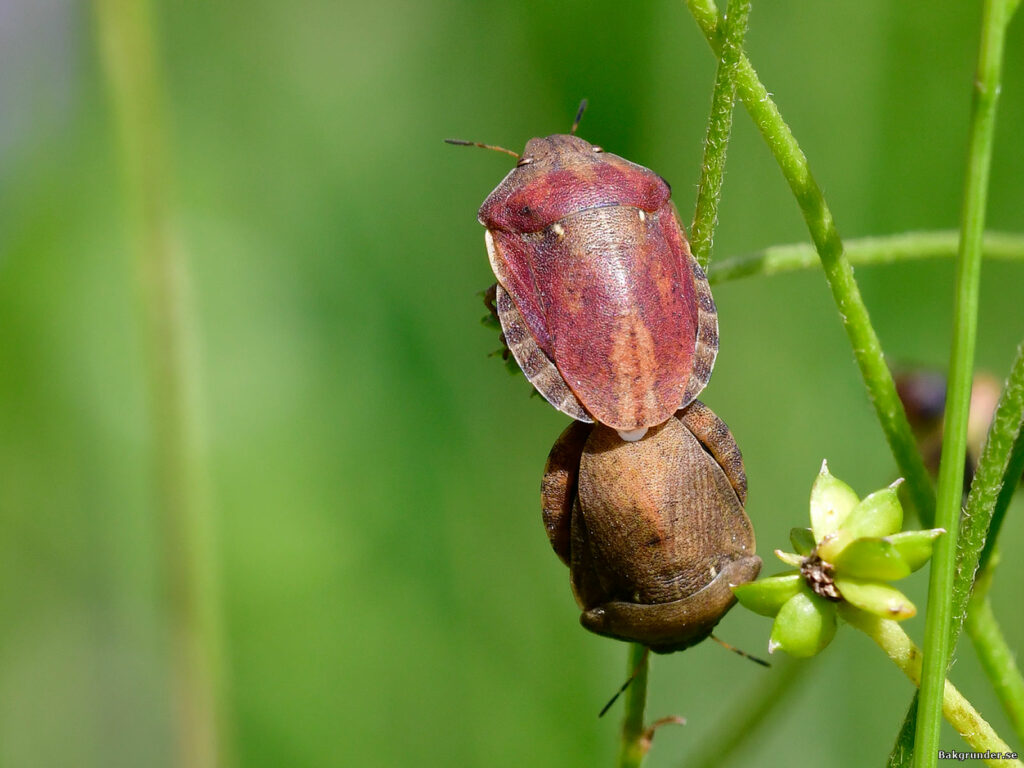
(464, 143)
(737, 651)
(625, 685)
(579, 116)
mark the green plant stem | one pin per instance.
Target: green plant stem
(128, 48)
(997, 475)
(958, 711)
(965, 317)
(1014, 470)
(994, 653)
(716, 141)
(635, 743)
(902, 753)
(987, 491)
(852, 311)
(864, 251)
(753, 710)
(998, 661)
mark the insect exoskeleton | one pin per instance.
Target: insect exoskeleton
(654, 532)
(601, 303)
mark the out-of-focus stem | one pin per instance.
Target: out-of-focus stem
(863, 251)
(997, 659)
(754, 708)
(128, 48)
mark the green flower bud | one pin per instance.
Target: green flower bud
(871, 559)
(804, 626)
(767, 596)
(831, 501)
(802, 540)
(879, 514)
(915, 547)
(874, 597)
(789, 558)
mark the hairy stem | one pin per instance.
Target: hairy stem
(864, 251)
(997, 475)
(716, 142)
(1014, 470)
(852, 311)
(635, 743)
(128, 47)
(958, 711)
(987, 491)
(903, 750)
(954, 444)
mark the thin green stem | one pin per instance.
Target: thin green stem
(999, 662)
(716, 142)
(997, 659)
(854, 315)
(864, 251)
(635, 743)
(128, 47)
(752, 712)
(965, 313)
(958, 711)
(986, 491)
(1014, 470)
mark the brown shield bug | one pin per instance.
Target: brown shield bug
(601, 303)
(653, 531)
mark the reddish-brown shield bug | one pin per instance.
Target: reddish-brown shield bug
(599, 298)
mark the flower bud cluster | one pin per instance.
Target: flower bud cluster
(852, 549)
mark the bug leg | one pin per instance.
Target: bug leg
(491, 300)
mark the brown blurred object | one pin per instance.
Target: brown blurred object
(923, 392)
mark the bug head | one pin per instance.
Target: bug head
(548, 150)
(560, 149)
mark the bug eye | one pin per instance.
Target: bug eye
(524, 161)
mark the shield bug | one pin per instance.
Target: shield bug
(601, 303)
(654, 531)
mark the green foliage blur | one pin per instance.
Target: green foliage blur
(389, 595)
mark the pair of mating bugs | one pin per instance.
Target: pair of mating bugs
(611, 319)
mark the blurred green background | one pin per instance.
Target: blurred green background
(389, 596)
